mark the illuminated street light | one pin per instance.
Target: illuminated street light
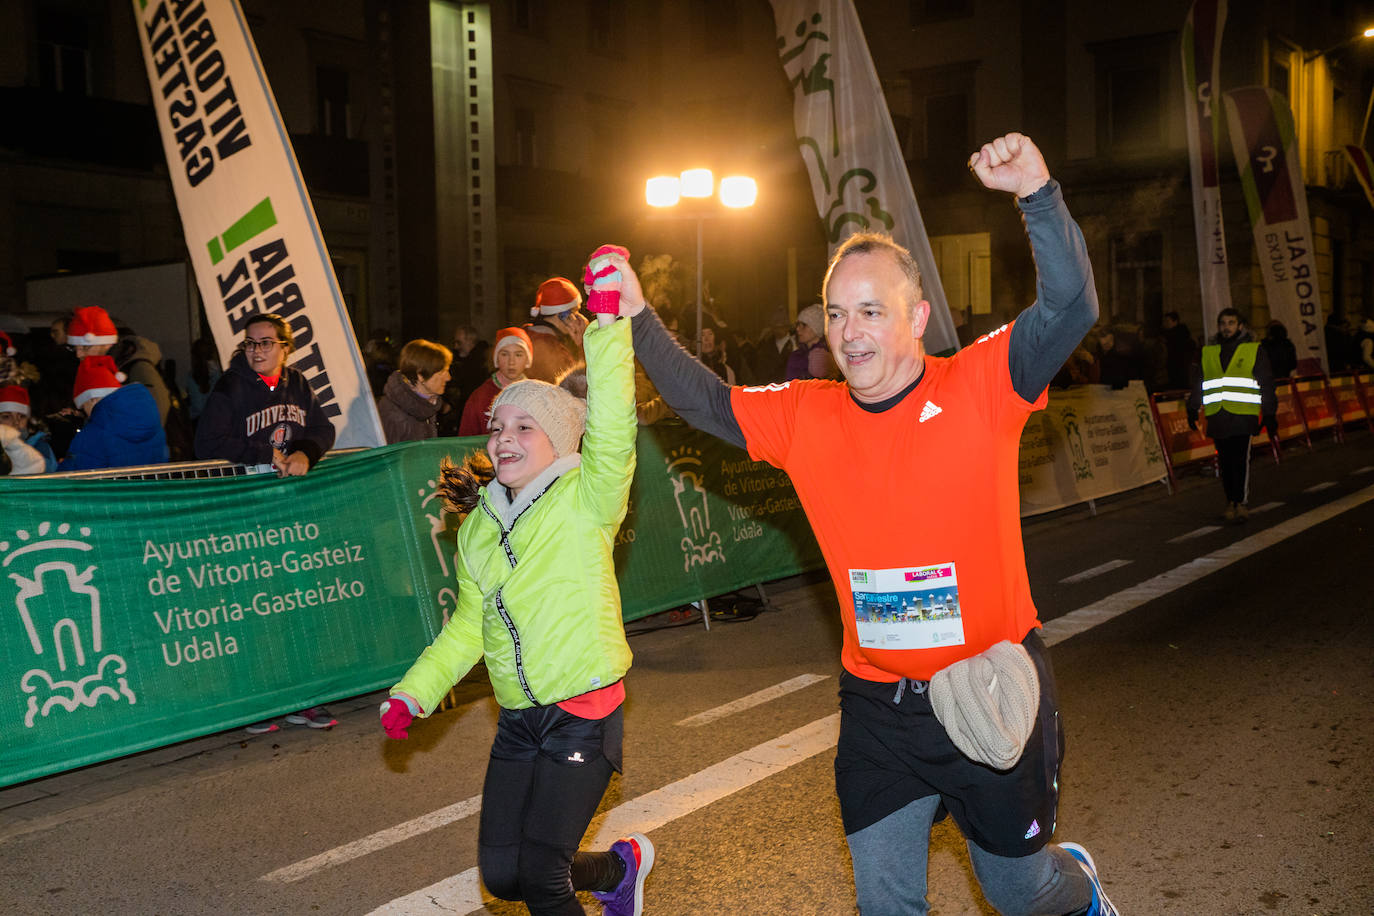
(697, 185)
(663, 191)
(737, 191)
(1367, 33)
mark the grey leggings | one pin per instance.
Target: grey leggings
(890, 863)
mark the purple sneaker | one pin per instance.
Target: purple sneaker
(628, 897)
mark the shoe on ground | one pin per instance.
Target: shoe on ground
(628, 897)
(261, 728)
(1101, 906)
(1242, 513)
(315, 717)
(1230, 514)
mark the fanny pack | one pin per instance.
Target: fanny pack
(988, 703)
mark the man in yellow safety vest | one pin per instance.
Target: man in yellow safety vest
(1234, 386)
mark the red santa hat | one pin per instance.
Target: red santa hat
(512, 337)
(6, 345)
(95, 378)
(91, 327)
(14, 399)
(557, 294)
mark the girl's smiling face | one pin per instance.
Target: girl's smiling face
(519, 448)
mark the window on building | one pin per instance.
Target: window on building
(333, 112)
(1132, 77)
(1137, 272)
(932, 113)
(63, 51)
(526, 138)
(923, 12)
(715, 27)
(527, 16)
(1278, 77)
(1135, 118)
(606, 27)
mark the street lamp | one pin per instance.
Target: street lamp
(736, 192)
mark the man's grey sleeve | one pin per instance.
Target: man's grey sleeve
(695, 392)
(1065, 308)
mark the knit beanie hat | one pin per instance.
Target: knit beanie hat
(6, 345)
(512, 337)
(813, 316)
(557, 294)
(91, 326)
(988, 703)
(95, 378)
(14, 399)
(560, 414)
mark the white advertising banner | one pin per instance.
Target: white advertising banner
(250, 228)
(1201, 47)
(1265, 143)
(1089, 442)
(845, 133)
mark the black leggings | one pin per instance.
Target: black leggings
(547, 773)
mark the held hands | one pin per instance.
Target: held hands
(295, 464)
(602, 279)
(1011, 163)
(396, 718)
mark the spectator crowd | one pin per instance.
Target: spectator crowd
(91, 394)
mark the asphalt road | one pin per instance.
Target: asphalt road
(1217, 688)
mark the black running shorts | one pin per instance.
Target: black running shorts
(892, 752)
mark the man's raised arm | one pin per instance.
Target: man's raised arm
(1045, 334)
(694, 391)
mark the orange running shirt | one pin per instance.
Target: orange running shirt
(930, 481)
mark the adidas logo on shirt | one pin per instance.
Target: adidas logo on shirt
(1034, 829)
(928, 411)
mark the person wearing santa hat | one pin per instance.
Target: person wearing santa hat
(123, 427)
(511, 354)
(556, 332)
(15, 412)
(91, 332)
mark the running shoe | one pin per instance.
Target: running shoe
(1101, 905)
(315, 717)
(261, 728)
(628, 897)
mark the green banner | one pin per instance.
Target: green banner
(147, 612)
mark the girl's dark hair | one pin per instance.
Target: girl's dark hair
(460, 484)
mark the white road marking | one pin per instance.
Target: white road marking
(379, 840)
(754, 699)
(1367, 469)
(1318, 487)
(1095, 571)
(462, 893)
(1265, 508)
(1195, 533)
(1074, 622)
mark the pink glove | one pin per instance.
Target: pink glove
(602, 280)
(396, 718)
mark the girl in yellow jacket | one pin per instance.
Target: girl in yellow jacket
(538, 598)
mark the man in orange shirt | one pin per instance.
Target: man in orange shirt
(908, 473)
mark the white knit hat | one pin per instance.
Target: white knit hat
(560, 414)
(988, 703)
(813, 316)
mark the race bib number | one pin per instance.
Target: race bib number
(915, 607)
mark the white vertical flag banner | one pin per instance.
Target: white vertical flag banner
(1201, 51)
(845, 133)
(250, 227)
(1266, 148)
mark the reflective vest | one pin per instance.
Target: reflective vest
(1234, 388)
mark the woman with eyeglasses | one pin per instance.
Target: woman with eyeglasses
(261, 411)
